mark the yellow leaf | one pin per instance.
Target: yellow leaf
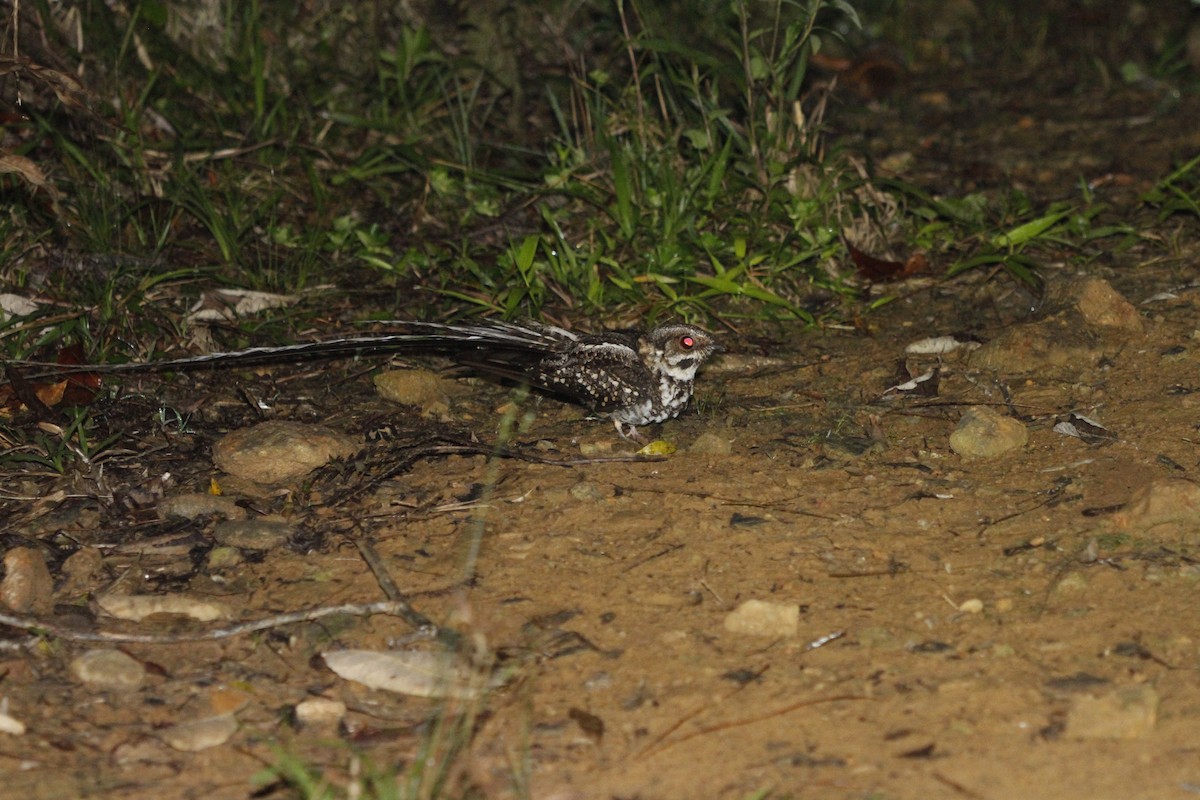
(659, 447)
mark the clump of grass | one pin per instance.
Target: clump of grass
(1006, 234)
(695, 187)
(1178, 192)
(434, 770)
(55, 448)
(662, 176)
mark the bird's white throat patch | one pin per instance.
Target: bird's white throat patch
(678, 371)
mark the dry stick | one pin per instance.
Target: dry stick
(956, 786)
(366, 548)
(658, 745)
(397, 608)
(421, 623)
(661, 743)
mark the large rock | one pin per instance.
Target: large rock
(280, 451)
(983, 433)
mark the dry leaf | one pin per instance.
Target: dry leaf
(878, 269)
(19, 165)
(16, 305)
(419, 673)
(224, 304)
(51, 394)
(139, 606)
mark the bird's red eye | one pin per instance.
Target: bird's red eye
(687, 343)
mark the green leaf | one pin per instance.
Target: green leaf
(1023, 234)
(848, 11)
(623, 189)
(724, 285)
(525, 255)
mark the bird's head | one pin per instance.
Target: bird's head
(678, 350)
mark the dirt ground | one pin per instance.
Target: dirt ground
(942, 625)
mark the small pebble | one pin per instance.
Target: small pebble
(320, 712)
(252, 534)
(587, 491)
(972, 606)
(414, 387)
(109, 669)
(10, 724)
(199, 504)
(223, 557)
(142, 751)
(227, 700)
(760, 618)
(710, 444)
(201, 734)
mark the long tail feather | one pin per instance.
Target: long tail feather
(429, 337)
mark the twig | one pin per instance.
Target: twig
(366, 549)
(421, 623)
(397, 608)
(658, 745)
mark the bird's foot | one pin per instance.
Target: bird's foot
(629, 431)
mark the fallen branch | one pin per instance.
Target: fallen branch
(42, 627)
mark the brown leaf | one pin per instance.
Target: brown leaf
(878, 269)
(871, 75)
(66, 87)
(23, 393)
(78, 389)
(51, 394)
(81, 387)
(31, 172)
